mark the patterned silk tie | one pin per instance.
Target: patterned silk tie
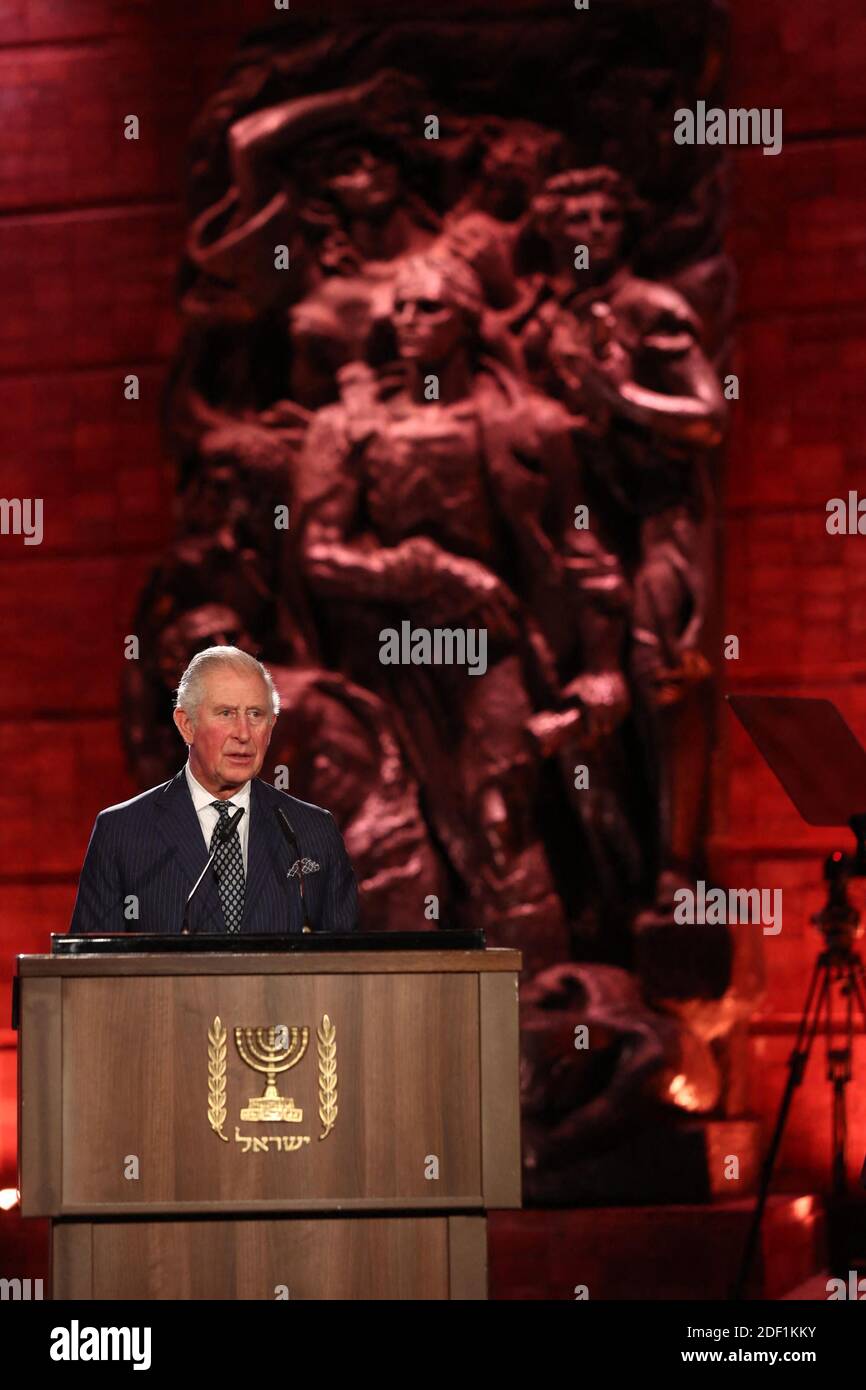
(229, 868)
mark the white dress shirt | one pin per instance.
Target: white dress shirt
(208, 815)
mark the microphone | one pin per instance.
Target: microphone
(223, 833)
(292, 841)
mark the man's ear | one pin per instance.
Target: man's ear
(184, 725)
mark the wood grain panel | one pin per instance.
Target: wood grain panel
(71, 1259)
(336, 1259)
(276, 963)
(467, 1257)
(500, 1089)
(40, 1134)
(135, 1082)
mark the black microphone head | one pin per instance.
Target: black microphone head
(286, 827)
(230, 824)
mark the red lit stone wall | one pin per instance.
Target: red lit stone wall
(90, 230)
(793, 594)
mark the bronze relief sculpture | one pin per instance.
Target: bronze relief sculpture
(435, 336)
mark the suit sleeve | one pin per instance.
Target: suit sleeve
(341, 912)
(99, 902)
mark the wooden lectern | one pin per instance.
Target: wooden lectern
(328, 1124)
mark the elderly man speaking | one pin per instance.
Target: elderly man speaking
(271, 873)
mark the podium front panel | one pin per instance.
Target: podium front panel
(294, 1088)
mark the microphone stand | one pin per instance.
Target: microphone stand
(223, 833)
(292, 841)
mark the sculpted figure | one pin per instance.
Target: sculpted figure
(405, 511)
(436, 391)
(344, 237)
(338, 742)
(578, 1102)
(326, 176)
(625, 353)
(513, 159)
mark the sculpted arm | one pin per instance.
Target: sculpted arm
(256, 139)
(662, 381)
(690, 411)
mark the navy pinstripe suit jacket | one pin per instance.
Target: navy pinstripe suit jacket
(152, 849)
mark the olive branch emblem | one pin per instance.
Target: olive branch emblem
(217, 1036)
(326, 1034)
(216, 1078)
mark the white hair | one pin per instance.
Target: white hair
(190, 688)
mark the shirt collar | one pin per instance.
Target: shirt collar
(202, 797)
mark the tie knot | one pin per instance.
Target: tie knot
(223, 807)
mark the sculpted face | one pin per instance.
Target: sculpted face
(512, 170)
(427, 326)
(363, 184)
(594, 220)
(231, 731)
(210, 625)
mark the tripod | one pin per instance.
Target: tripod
(838, 968)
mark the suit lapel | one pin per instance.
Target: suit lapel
(180, 828)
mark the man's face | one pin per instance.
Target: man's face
(232, 729)
(593, 220)
(428, 329)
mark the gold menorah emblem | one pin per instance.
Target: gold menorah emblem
(271, 1051)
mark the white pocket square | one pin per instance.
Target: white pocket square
(307, 866)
